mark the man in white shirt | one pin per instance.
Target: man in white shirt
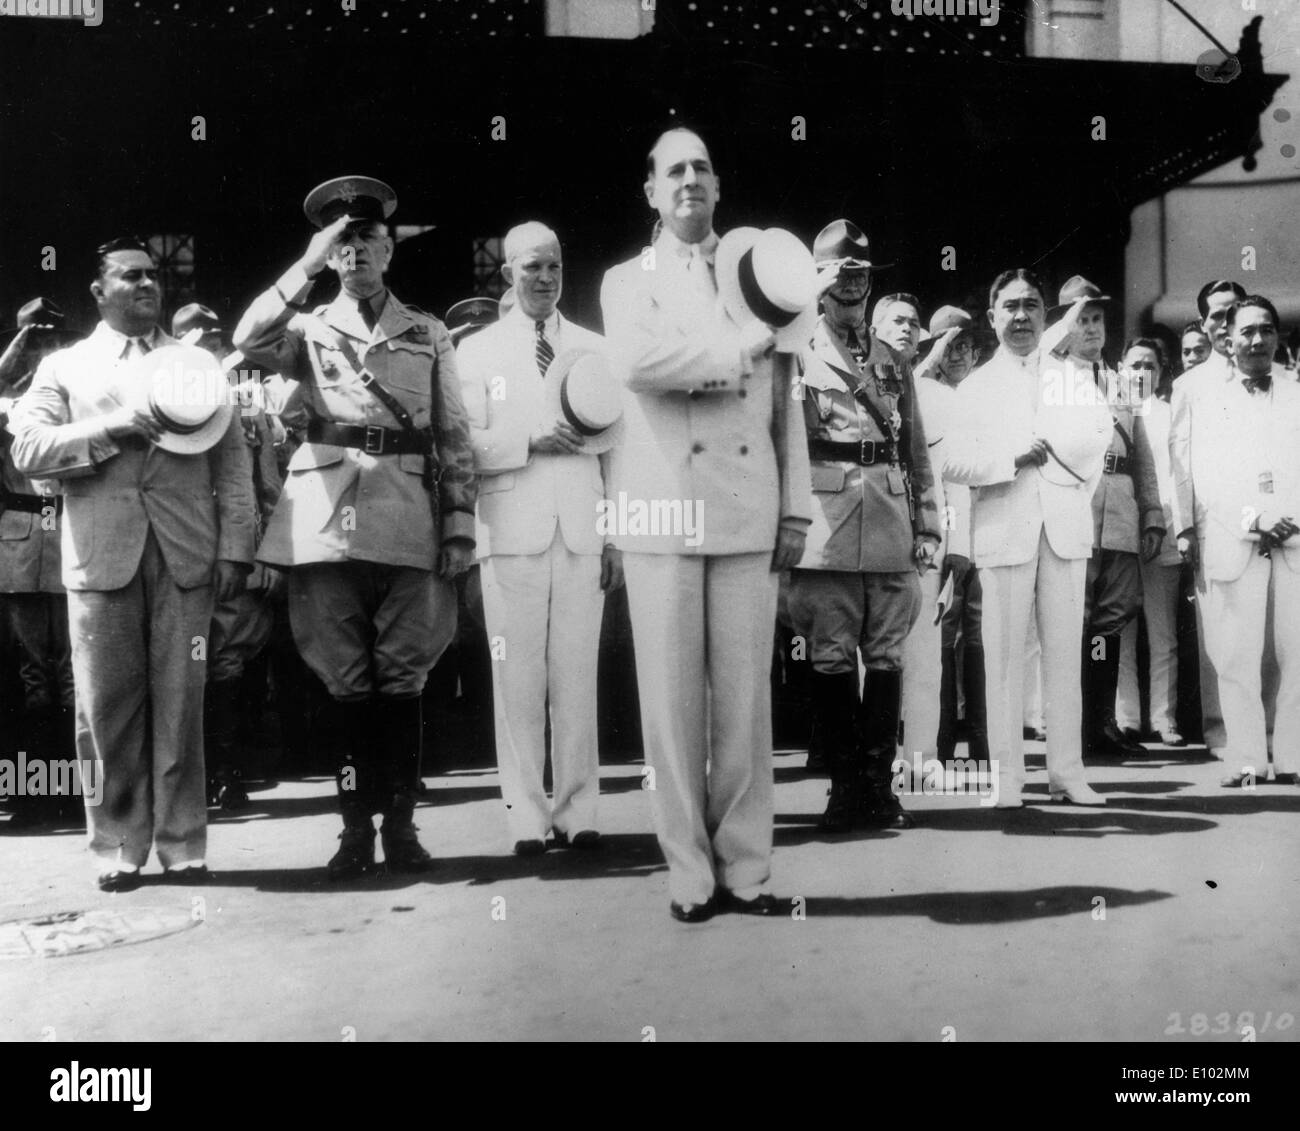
(1244, 463)
(1032, 535)
(1212, 303)
(544, 565)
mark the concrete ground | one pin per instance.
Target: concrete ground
(979, 925)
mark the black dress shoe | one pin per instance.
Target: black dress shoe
(764, 904)
(693, 912)
(586, 840)
(356, 854)
(531, 847)
(118, 881)
(1286, 779)
(199, 875)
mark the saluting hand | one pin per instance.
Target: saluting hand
(321, 246)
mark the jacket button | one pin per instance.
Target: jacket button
(744, 449)
(744, 392)
(697, 447)
(694, 394)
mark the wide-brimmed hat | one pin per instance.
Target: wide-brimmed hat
(470, 314)
(843, 242)
(195, 315)
(943, 320)
(186, 390)
(43, 315)
(1071, 430)
(1076, 287)
(362, 198)
(583, 389)
(769, 275)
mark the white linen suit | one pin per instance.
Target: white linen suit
(705, 427)
(1031, 539)
(537, 540)
(1241, 446)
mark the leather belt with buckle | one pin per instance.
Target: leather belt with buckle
(864, 452)
(1115, 464)
(30, 504)
(373, 439)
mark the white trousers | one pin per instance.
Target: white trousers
(1239, 611)
(922, 666)
(1032, 682)
(1211, 714)
(1054, 588)
(702, 628)
(1160, 587)
(542, 613)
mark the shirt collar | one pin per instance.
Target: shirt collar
(115, 342)
(669, 245)
(377, 302)
(517, 317)
(1027, 362)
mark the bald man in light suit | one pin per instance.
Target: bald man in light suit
(545, 567)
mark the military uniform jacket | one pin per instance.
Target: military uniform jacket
(705, 426)
(863, 516)
(200, 507)
(29, 541)
(1125, 503)
(340, 503)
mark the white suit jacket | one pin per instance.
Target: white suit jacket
(1210, 376)
(521, 496)
(1242, 444)
(993, 421)
(704, 426)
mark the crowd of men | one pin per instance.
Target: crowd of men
(752, 447)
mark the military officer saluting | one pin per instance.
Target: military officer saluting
(875, 524)
(377, 514)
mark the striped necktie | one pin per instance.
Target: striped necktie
(544, 352)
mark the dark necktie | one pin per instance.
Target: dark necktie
(545, 353)
(855, 348)
(367, 313)
(1257, 384)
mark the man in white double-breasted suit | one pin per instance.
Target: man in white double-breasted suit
(1244, 490)
(712, 434)
(1031, 533)
(544, 564)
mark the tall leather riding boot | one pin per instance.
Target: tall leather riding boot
(1103, 738)
(835, 707)
(355, 779)
(402, 729)
(976, 704)
(878, 743)
(222, 754)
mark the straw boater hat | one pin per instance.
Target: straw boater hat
(769, 275)
(583, 389)
(185, 389)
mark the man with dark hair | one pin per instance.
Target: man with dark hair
(1244, 488)
(1213, 301)
(1031, 444)
(710, 424)
(875, 527)
(1193, 346)
(155, 527)
(377, 515)
(896, 321)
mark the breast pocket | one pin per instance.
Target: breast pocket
(330, 365)
(409, 365)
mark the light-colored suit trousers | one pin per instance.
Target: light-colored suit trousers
(1160, 589)
(1054, 587)
(543, 614)
(138, 658)
(1239, 611)
(922, 666)
(702, 627)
